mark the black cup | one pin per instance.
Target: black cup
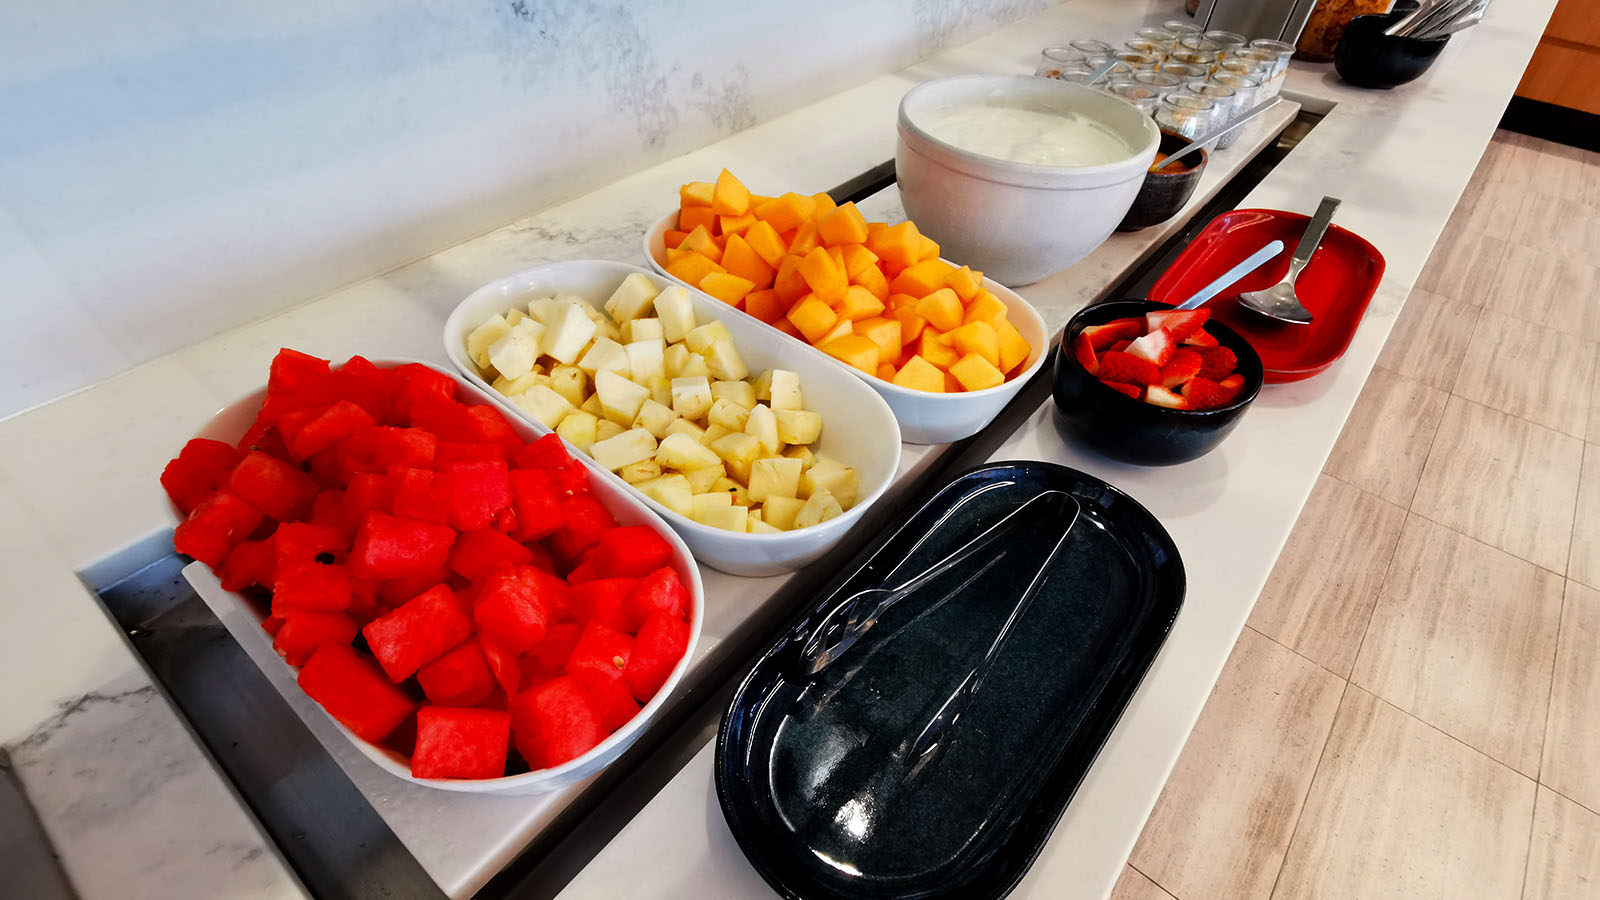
(1368, 58)
(1165, 192)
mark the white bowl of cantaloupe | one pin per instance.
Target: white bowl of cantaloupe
(946, 347)
(656, 386)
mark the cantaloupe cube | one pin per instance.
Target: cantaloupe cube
(911, 324)
(696, 193)
(838, 260)
(730, 197)
(920, 375)
(844, 225)
(674, 254)
(811, 318)
(824, 276)
(701, 242)
(886, 371)
(903, 301)
(765, 242)
(853, 350)
(858, 303)
(765, 305)
(986, 307)
(757, 199)
(805, 238)
(883, 332)
(786, 212)
(739, 259)
(976, 373)
(839, 329)
(934, 350)
(824, 203)
(897, 244)
(922, 279)
(787, 327)
(873, 279)
(1014, 347)
(929, 248)
(673, 237)
(727, 225)
(857, 258)
(942, 309)
(789, 283)
(691, 267)
(965, 282)
(692, 217)
(730, 288)
(979, 338)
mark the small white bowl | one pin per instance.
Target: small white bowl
(230, 424)
(925, 418)
(858, 428)
(1017, 222)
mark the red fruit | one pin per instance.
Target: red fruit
(1128, 369)
(445, 418)
(1156, 347)
(1201, 338)
(394, 591)
(660, 591)
(1083, 352)
(328, 508)
(550, 454)
(418, 494)
(291, 370)
(417, 383)
(588, 570)
(390, 547)
(1121, 346)
(314, 587)
(303, 633)
(1184, 365)
(605, 600)
(584, 520)
(661, 642)
(216, 525)
(1203, 393)
(361, 382)
(355, 692)
(458, 678)
(303, 544)
(489, 426)
(461, 743)
(334, 424)
(517, 605)
(1178, 323)
(600, 655)
(478, 491)
(201, 467)
(1232, 387)
(632, 552)
(1160, 396)
(537, 504)
(1218, 363)
(1132, 390)
(248, 565)
(463, 451)
(375, 448)
(555, 722)
(503, 663)
(613, 703)
(549, 657)
(477, 554)
(273, 486)
(417, 633)
(1103, 336)
(365, 493)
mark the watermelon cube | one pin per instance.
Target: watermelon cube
(215, 526)
(461, 743)
(445, 418)
(536, 502)
(249, 564)
(632, 552)
(516, 606)
(395, 591)
(292, 370)
(467, 451)
(361, 382)
(418, 632)
(391, 547)
(458, 678)
(201, 467)
(583, 521)
(661, 642)
(503, 663)
(613, 703)
(478, 554)
(555, 722)
(273, 486)
(364, 493)
(478, 491)
(660, 591)
(418, 494)
(302, 633)
(418, 383)
(548, 658)
(375, 448)
(303, 544)
(328, 508)
(588, 570)
(332, 425)
(550, 454)
(316, 587)
(355, 692)
(600, 655)
(364, 599)
(605, 600)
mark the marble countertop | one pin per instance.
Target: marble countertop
(134, 806)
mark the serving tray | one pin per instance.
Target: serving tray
(814, 772)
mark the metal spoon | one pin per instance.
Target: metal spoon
(1228, 126)
(1255, 261)
(1279, 302)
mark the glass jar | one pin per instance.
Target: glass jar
(1227, 39)
(1185, 114)
(1201, 45)
(1148, 48)
(1140, 62)
(1159, 36)
(1090, 47)
(1246, 93)
(1119, 70)
(1271, 67)
(1163, 83)
(1143, 97)
(1327, 22)
(1224, 102)
(1077, 73)
(1179, 28)
(1185, 71)
(1053, 59)
(1204, 61)
(1280, 51)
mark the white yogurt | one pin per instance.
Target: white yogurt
(1032, 136)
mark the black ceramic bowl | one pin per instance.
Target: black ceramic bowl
(1132, 430)
(1368, 58)
(1165, 192)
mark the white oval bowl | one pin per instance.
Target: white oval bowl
(1014, 221)
(925, 418)
(858, 428)
(230, 424)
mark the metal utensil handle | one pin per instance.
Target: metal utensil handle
(1255, 261)
(1231, 124)
(1314, 231)
(1103, 71)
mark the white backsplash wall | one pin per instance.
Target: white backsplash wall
(172, 168)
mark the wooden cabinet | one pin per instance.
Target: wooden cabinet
(1565, 69)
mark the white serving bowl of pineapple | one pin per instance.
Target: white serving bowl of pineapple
(760, 457)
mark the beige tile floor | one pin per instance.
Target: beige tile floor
(1414, 708)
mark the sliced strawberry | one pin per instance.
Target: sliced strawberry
(1178, 323)
(1132, 390)
(1232, 386)
(1157, 347)
(1184, 365)
(1122, 346)
(1201, 338)
(1203, 393)
(1218, 363)
(1160, 396)
(1128, 369)
(1103, 336)
(1083, 351)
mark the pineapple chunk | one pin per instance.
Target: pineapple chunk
(714, 431)
(802, 453)
(643, 330)
(493, 329)
(571, 383)
(571, 332)
(606, 355)
(514, 386)
(607, 429)
(784, 390)
(774, 477)
(645, 359)
(593, 407)
(763, 423)
(515, 352)
(739, 469)
(691, 397)
(684, 426)
(643, 470)
(819, 508)
(728, 414)
(734, 489)
(631, 446)
(514, 315)
(632, 298)
(724, 361)
(545, 310)
(837, 479)
(737, 447)
(579, 429)
(759, 527)
(674, 358)
(734, 518)
(544, 404)
(694, 365)
(660, 389)
(619, 397)
(701, 479)
(740, 392)
(704, 503)
(779, 512)
(672, 491)
(798, 426)
(655, 418)
(676, 312)
(701, 338)
(684, 453)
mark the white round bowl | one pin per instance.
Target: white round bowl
(925, 418)
(231, 607)
(1015, 221)
(858, 428)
